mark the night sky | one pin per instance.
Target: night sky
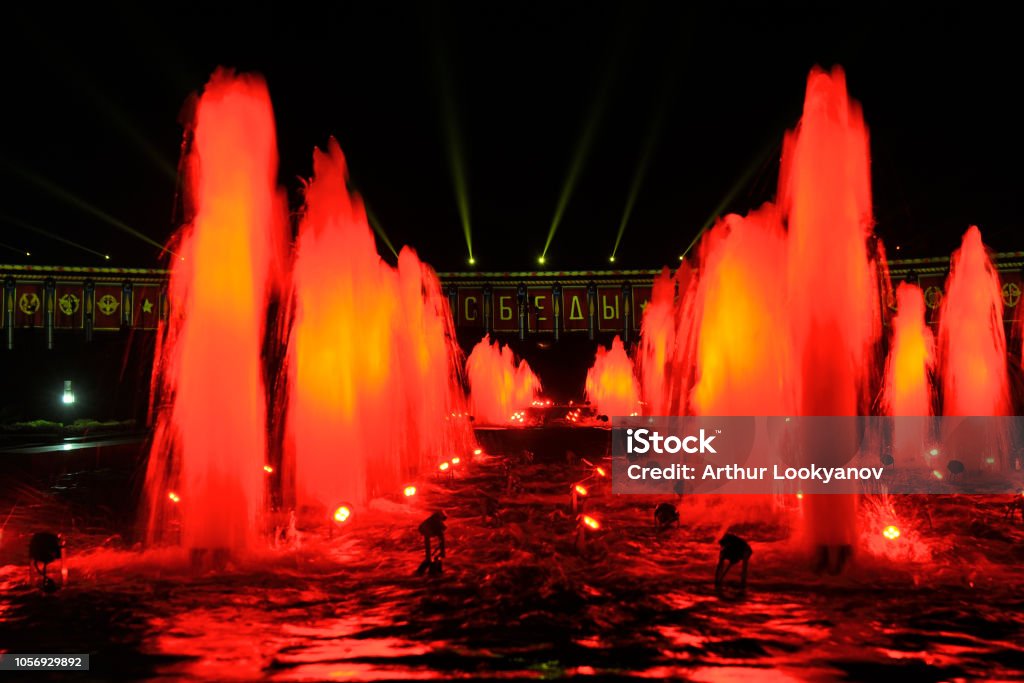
(92, 96)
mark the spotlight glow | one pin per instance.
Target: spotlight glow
(174, 497)
(891, 532)
(409, 491)
(342, 514)
(268, 469)
(590, 522)
(600, 472)
(580, 489)
(456, 460)
(444, 466)
(478, 451)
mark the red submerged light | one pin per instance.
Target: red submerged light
(342, 514)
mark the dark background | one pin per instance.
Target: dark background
(91, 136)
(92, 95)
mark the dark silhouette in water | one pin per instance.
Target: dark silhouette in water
(956, 468)
(832, 558)
(734, 550)
(1016, 505)
(432, 527)
(665, 515)
(43, 549)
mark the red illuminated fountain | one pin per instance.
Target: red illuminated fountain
(371, 396)
(972, 343)
(755, 334)
(499, 387)
(205, 471)
(972, 356)
(374, 371)
(612, 386)
(909, 391)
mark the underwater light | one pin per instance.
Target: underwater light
(342, 514)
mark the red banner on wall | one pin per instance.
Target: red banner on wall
(69, 310)
(504, 314)
(542, 309)
(471, 307)
(641, 297)
(574, 308)
(934, 288)
(609, 309)
(1010, 280)
(146, 307)
(28, 306)
(107, 311)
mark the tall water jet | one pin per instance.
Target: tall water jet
(754, 333)
(911, 361)
(205, 468)
(908, 390)
(972, 341)
(825, 198)
(612, 386)
(374, 389)
(498, 385)
(657, 345)
(972, 356)
(743, 364)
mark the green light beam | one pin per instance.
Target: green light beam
(586, 139)
(22, 252)
(748, 173)
(640, 173)
(451, 129)
(46, 233)
(375, 224)
(579, 157)
(75, 201)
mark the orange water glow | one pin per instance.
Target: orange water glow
(612, 386)
(746, 330)
(500, 387)
(372, 371)
(209, 400)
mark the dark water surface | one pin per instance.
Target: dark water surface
(518, 600)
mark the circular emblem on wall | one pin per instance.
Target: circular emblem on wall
(68, 304)
(1011, 294)
(107, 304)
(29, 303)
(933, 297)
